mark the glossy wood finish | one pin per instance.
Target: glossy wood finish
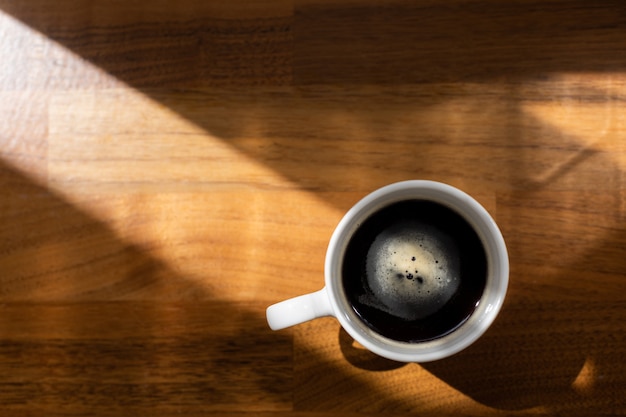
(169, 169)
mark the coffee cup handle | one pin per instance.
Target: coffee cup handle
(299, 309)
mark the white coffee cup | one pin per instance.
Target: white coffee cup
(332, 301)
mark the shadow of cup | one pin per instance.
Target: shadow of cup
(362, 358)
(525, 360)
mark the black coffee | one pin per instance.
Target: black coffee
(414, 271)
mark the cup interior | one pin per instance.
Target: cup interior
(496, 280)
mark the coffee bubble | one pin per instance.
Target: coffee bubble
(412, 270)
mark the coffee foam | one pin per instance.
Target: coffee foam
(412, 270)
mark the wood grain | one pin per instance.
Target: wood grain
(168, 170)
(68, 359)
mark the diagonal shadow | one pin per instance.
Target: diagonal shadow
(88, 323)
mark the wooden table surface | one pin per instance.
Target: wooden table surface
(168, 169)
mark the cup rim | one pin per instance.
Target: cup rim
(491, 301)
